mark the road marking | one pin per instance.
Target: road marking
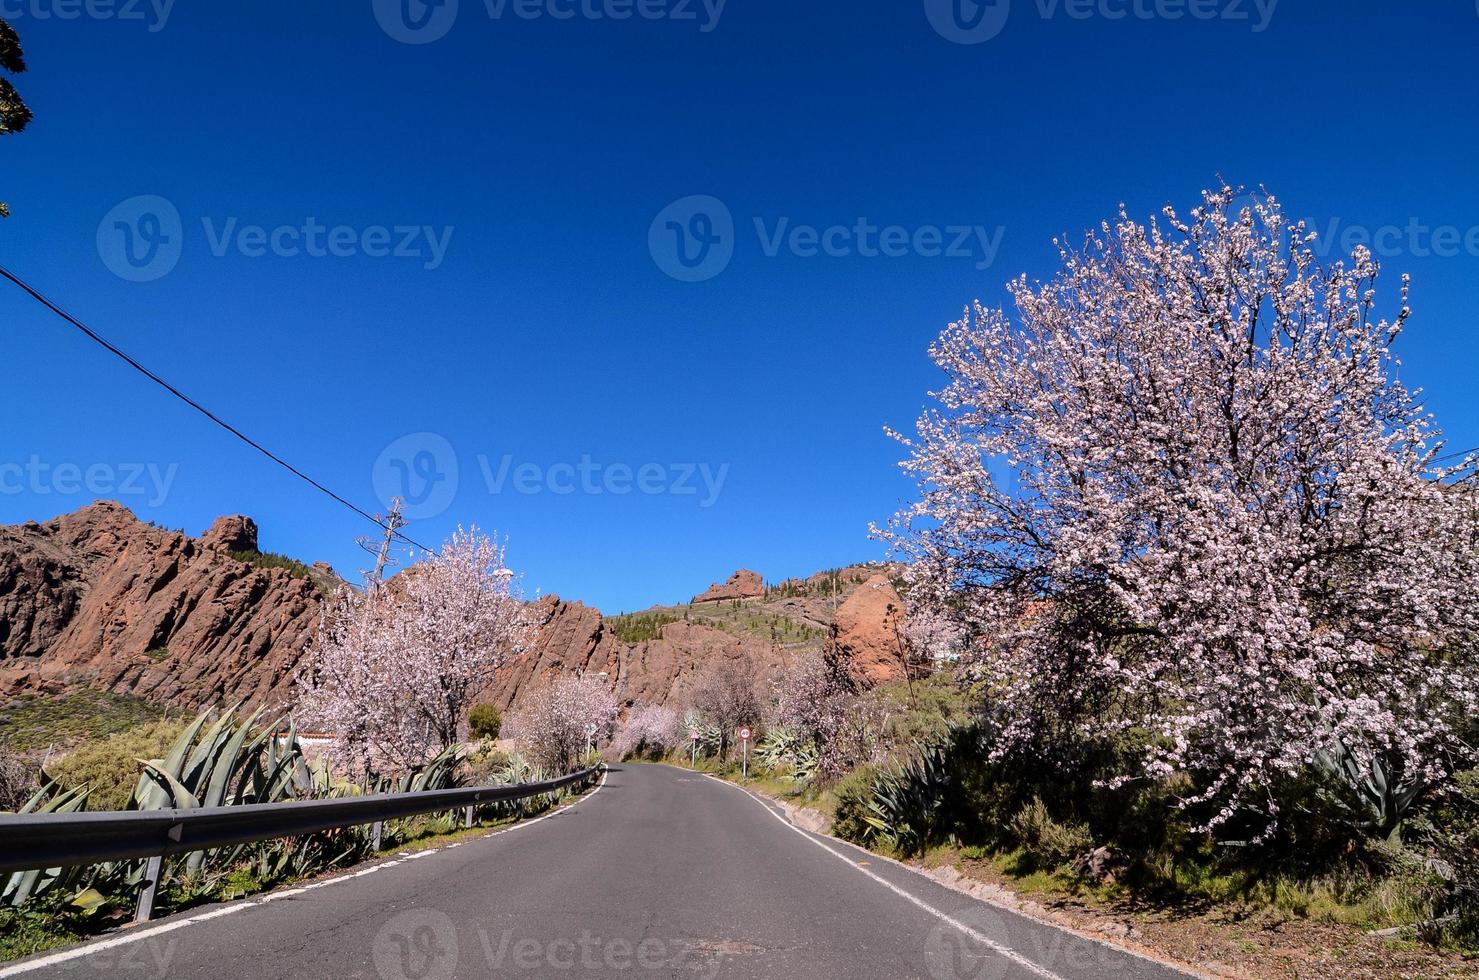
(135, 934)
(1180, 968)
(975, 934)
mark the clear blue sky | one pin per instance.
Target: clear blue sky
(548, 331)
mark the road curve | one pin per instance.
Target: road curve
(661, 873)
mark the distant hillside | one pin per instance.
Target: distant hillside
(100, 609)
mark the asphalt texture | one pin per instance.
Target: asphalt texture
(660, 873)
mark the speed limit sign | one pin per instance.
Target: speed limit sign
(744, 734)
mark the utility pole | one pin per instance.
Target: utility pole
(393, 523)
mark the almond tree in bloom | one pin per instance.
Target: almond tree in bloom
(649, 727)
(816, 699)
(394, 670)
(725, 698)
(551, 724)
(1183, 491)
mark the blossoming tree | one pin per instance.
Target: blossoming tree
(1184, 491)
(552, 724)
(649, 727)
(394, 670)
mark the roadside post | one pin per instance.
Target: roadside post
(693, 734)
(744, 734)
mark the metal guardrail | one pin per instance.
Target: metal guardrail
(54, 840)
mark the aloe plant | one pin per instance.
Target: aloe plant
(1375, 795)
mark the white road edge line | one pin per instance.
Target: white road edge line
(136, 934)
(1165, 964)
(979, 937)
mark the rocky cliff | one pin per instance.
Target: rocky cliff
(98, 599)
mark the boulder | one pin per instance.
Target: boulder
(743, 584)
(235, 533)
(865, 636)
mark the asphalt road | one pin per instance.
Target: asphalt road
(660, 873)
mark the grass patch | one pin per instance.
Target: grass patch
(32, 722)
(28, 933)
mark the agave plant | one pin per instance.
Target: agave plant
(908, 804)
(22, 886)
(232, 762)
(1375, 796)
(777, 748)
(782, 750)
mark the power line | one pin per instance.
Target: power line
(96, 338)
(1457, 455)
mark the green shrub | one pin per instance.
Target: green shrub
(484, 721)
(854, 794)
(110, 768)
(640, 627)
(1046, 842)
(268, 559)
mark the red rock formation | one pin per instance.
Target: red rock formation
(866, 635)
(573, 639)
(743, 584)
(101, 599)
(235, 533)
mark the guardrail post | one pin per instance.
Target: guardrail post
(376, 831)
(152, 871)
